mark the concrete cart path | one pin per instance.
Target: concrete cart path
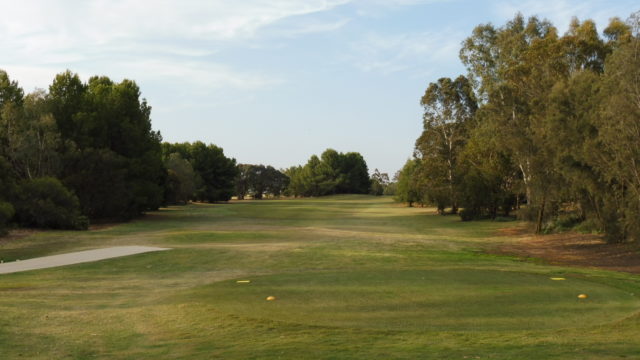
(74, 258)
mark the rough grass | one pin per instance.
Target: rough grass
(355, 277)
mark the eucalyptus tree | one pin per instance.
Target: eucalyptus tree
(379, 183)
(32, 138)
(260, 180)
(449, 105)
(409, 188)
(618, 134)
(514, 68)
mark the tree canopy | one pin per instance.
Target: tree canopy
(331, 173)
(544, 120)
(87, 150)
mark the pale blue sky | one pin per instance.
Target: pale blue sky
(271, 81)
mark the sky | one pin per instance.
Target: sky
(270, 81)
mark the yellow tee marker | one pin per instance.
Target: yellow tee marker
(243, 281)
(582, 296)
(558, 279)
(271, 298)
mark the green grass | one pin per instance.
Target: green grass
(355, 277)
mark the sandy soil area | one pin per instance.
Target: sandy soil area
(573, 249)
(74, 258)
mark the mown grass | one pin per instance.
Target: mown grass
(355, 277)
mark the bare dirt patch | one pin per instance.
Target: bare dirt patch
(572, 249)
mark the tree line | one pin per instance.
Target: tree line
(86, 151)
(547, 121)
(330, 173)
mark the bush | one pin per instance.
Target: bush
(46, 203)
(528, 213)
(6, 213)
(589, 226)
(469, 214)
(564, 222)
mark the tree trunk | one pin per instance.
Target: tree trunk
(540, 215)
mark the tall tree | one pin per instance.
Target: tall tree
(183, 179)
(32, 138)
(331, 173)
(448, 106)
(112, 157)
(409, 188)
(215, 173)
(619, 131)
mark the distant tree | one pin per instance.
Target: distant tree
(216, 170)
(296, 184)
(379, 183)
(392, 188)
(242, 180)
(215, 174)
(331, 173)
(182, 177)
(354, 177)
(259, 180)
(318, 178)
(409, 189)
(276, 181)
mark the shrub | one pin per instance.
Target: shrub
(46, 203)
(6, 213)
(564, 222)
(468, 214)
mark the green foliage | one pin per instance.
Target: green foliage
(448, 107)
(618, 134)
(409, 189)
(379, 183)
(562, 223)
(32, 140)
(215, 174)
(10, 91)
(6, 213)
(259, 180)
(468, 214)
(112, 157)
(181, 184)
(391, 189)
(46, 203)
(556, 127)
(332, 173)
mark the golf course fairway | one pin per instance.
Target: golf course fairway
(347, 277)
(452, 299)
